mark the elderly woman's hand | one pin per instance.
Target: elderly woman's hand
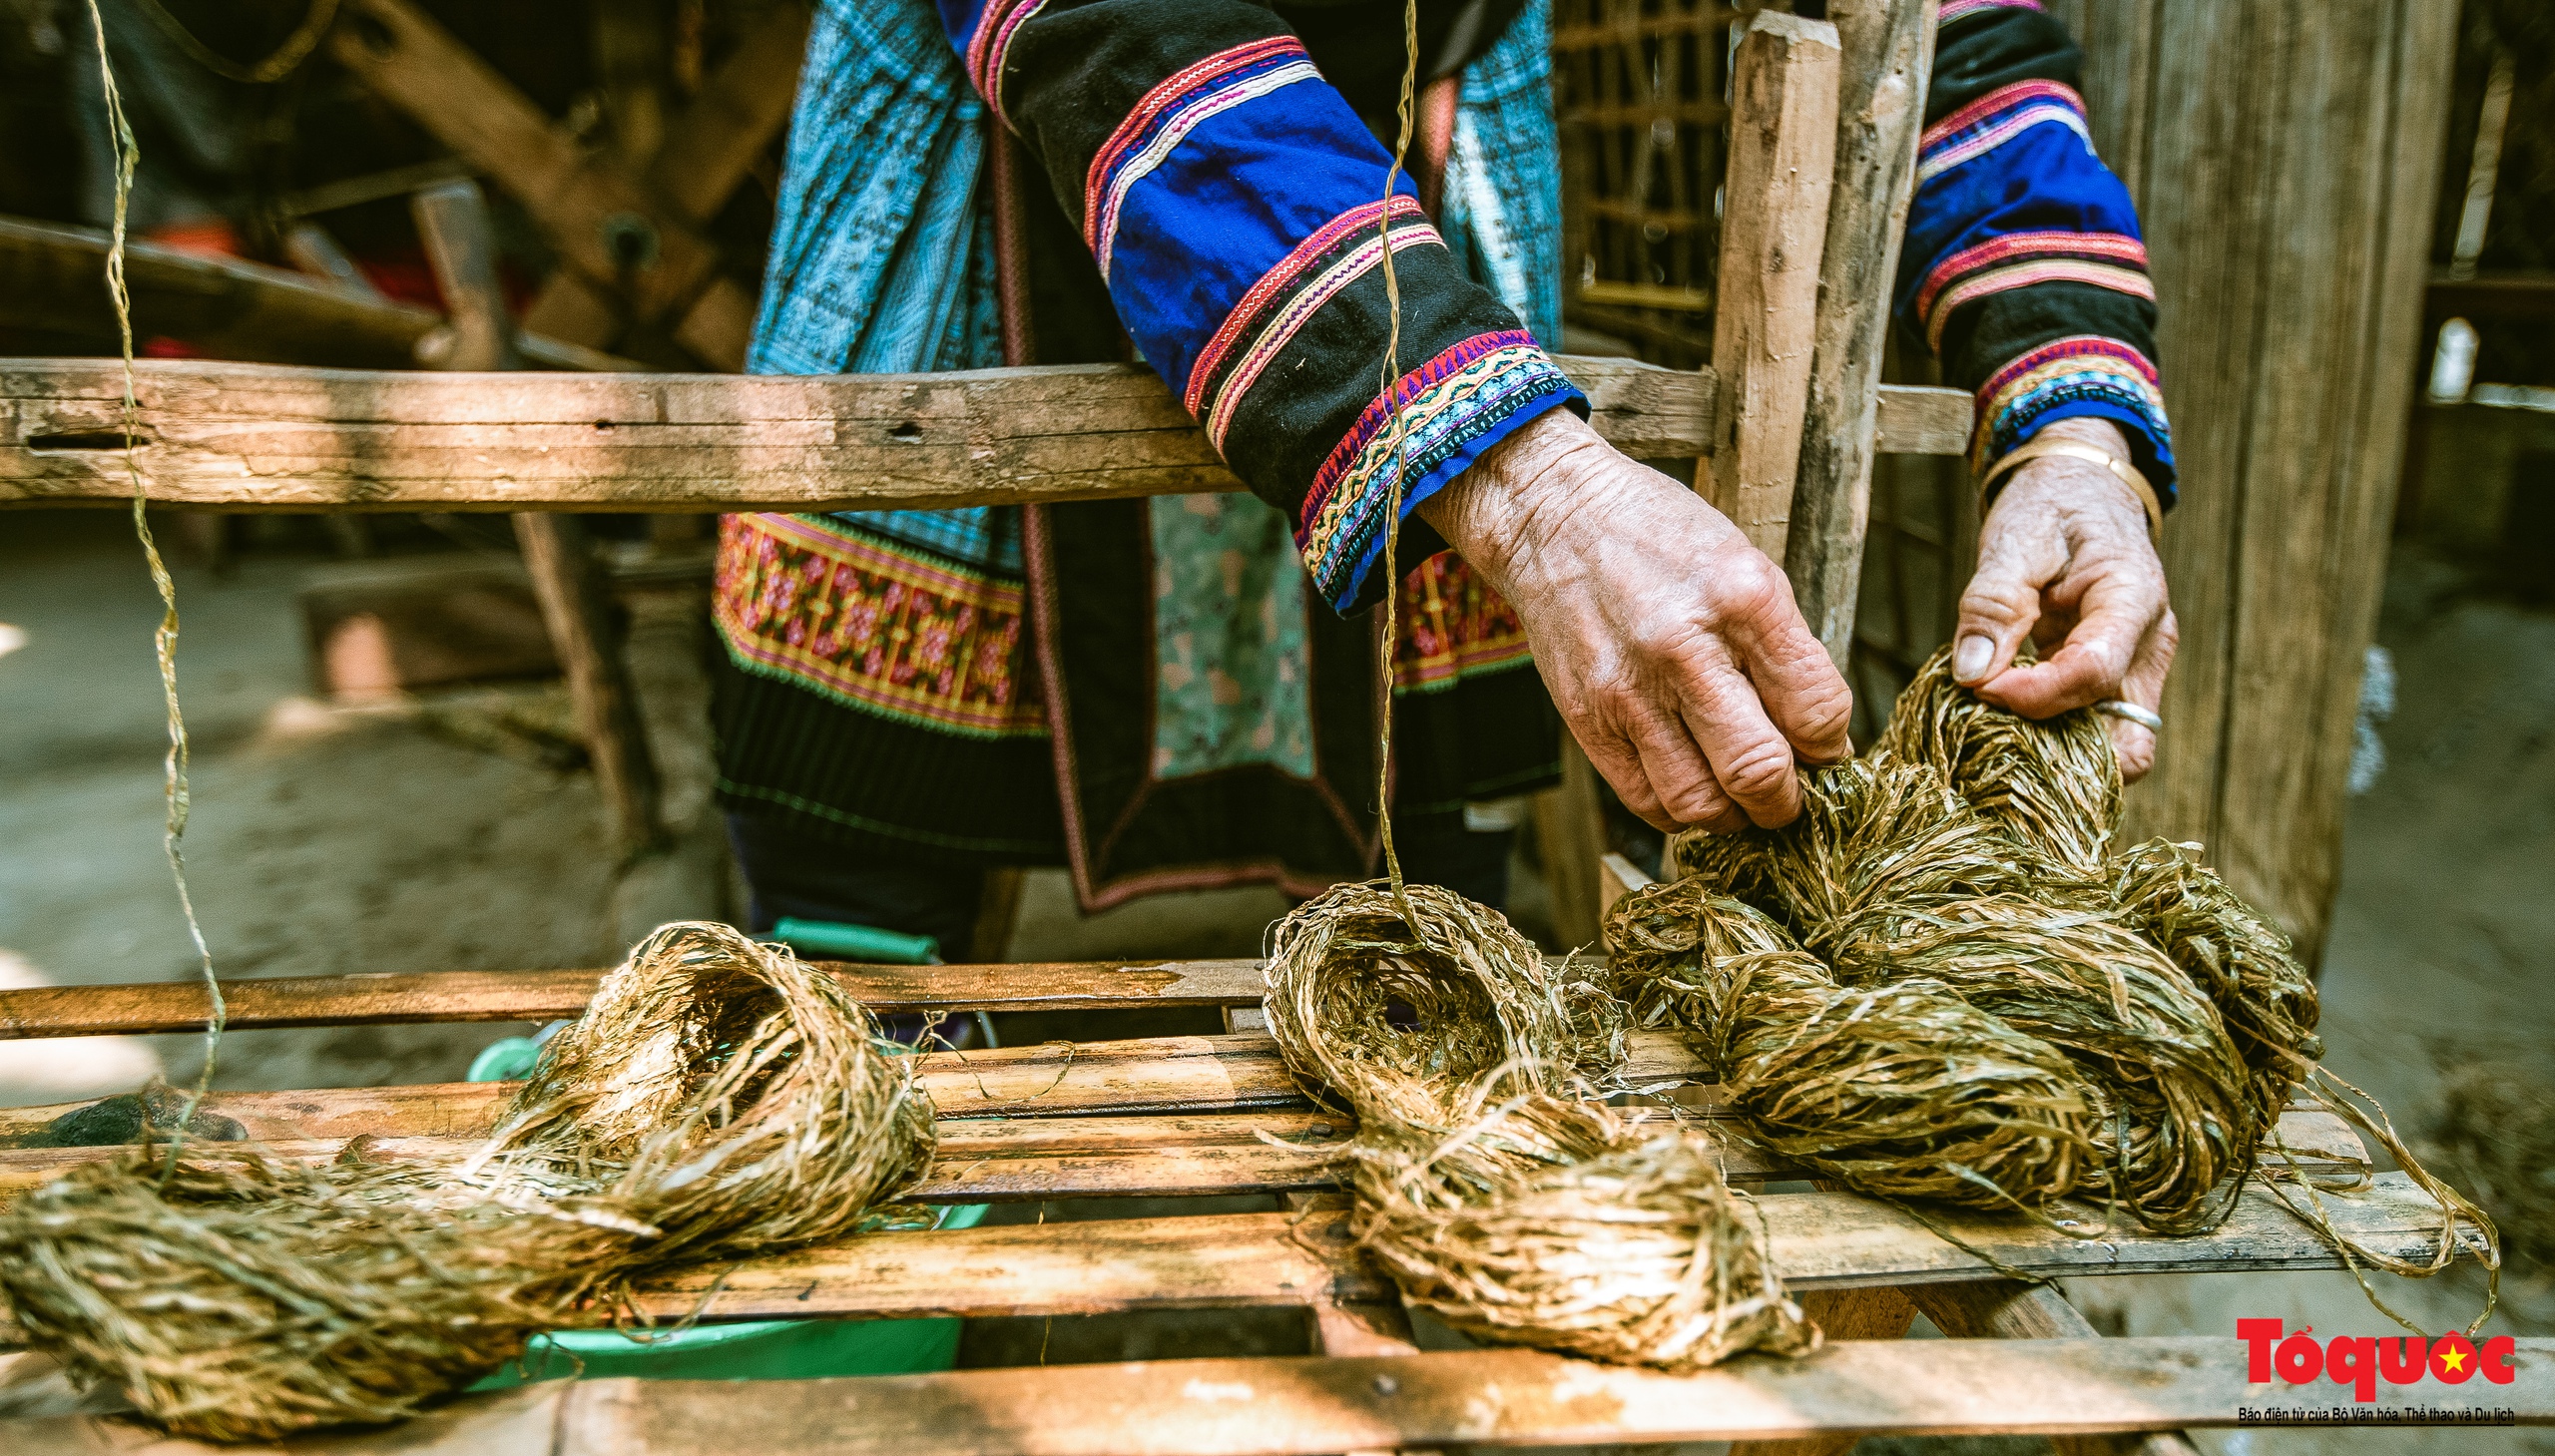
(1671, 646)
(2064, 557)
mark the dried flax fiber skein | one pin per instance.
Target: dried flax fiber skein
(1489, 1187)
(1942, 982)
(717, 1099)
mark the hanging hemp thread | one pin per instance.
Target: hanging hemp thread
(165, 639)
(1492, 1186)
(1940, 983)
(718, 1100)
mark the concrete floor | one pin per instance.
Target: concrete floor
(328, 840)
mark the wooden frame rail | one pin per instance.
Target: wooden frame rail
(273, 438)
(1298, 1406)
(380, 1000)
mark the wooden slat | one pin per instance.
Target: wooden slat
(990, 1159)
(1220, 1260)
(384, 1000)
(1151, 1075)
(995, 1160)
(1817, 1240)
(268, 437)
(2011, 1310)
(1302, 1405)
(1238, 1072)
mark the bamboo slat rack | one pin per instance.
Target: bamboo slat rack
(1792, 416)
(1217, 1115)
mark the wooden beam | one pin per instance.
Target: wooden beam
(1783, 145)
(387, 1000)
(461, 246)
(2010, 1309)
(1302, 1405)
(261, 437)
(54, 277)
(1887, 56)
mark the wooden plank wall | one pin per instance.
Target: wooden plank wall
(2285, 155)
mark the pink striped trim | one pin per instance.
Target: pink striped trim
(1273, 339)
(991, 43)
(1954, 9)
(2023, 275)
(1972, 147)
(2012, 246)
(1993, 102)
(1275, 281)
(1176, 131)
(2073, 346)
(1158, 100)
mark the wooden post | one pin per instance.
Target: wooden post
(1888, 51)
(577, 604)
(1773, 228)
(479, 335)
(2286, 155)
(575, 598)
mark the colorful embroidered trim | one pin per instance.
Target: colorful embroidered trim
(1443, 404)
(2023, 275)
(2079, 368)
(1954, 9)
(873, 627)
(1995, 118)
(2118, 247)
(1166, 116)
(1277, 315)
(1453, 626)
(990, 44)
(1273, 283)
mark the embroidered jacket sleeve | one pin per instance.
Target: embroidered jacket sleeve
(2022, 267)
(1235, 205)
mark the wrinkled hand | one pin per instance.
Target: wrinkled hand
(2064, 557)
(1671, 646)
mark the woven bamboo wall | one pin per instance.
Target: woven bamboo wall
(1639, 88)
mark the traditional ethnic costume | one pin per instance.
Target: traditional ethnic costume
(1179, 692)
